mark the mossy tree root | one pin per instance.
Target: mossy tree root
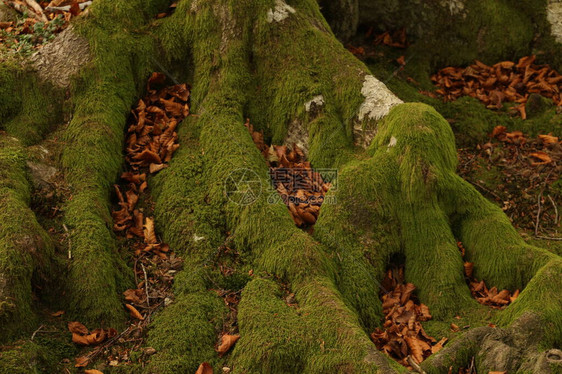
(26, 250)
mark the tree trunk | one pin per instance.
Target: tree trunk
(267, 61)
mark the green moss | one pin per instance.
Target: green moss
(184, 334)
(29, 107)
(27, 358)
(25, 249)
(11, 104)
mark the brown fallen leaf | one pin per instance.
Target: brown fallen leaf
(515, 295)
(149, 234)
(79, 339)
(548, 139)
(439, 345)
(227, 341)
(92, 371)
(96, 337)
(77, 328)
(82, 361)
(498, 130)
(134, 296)
(468, 267)
(134, 312)
(455, 328)
(57, 314)
(415, 347)
(156, 167)
(204, 368)
(543, 157)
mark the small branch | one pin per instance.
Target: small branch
(485, 189)
(67, 7)
(548, 238)
(537, 221)
(417, 368)
(36, 331)
(145, 284)
(555, 210)
(37, 8)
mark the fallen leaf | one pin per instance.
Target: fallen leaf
(149, 234)
(82, 361)
(455, 328)
(204, 368)
(134, 312)
(543, 157)
(468, 267)
(134, 296)
(79, 339)
(414, 345)
(77, 328)
(96, 337)
(439, 345)
(92, 371)
(548, 139)
(57, 314)
(155, 168)
(227, 341)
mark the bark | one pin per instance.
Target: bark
(270, 61)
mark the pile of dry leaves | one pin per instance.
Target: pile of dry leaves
(485, 296)
(402, 336)
(519, 173)
(505, 81)
(301, 188)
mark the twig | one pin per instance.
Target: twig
(417, 368)
(37, 8)
(537, 221)
(69, 243)
(67, 7)
(555, 210)
(547, 238)
(145, 284)
(36, 331)
(485, 189)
